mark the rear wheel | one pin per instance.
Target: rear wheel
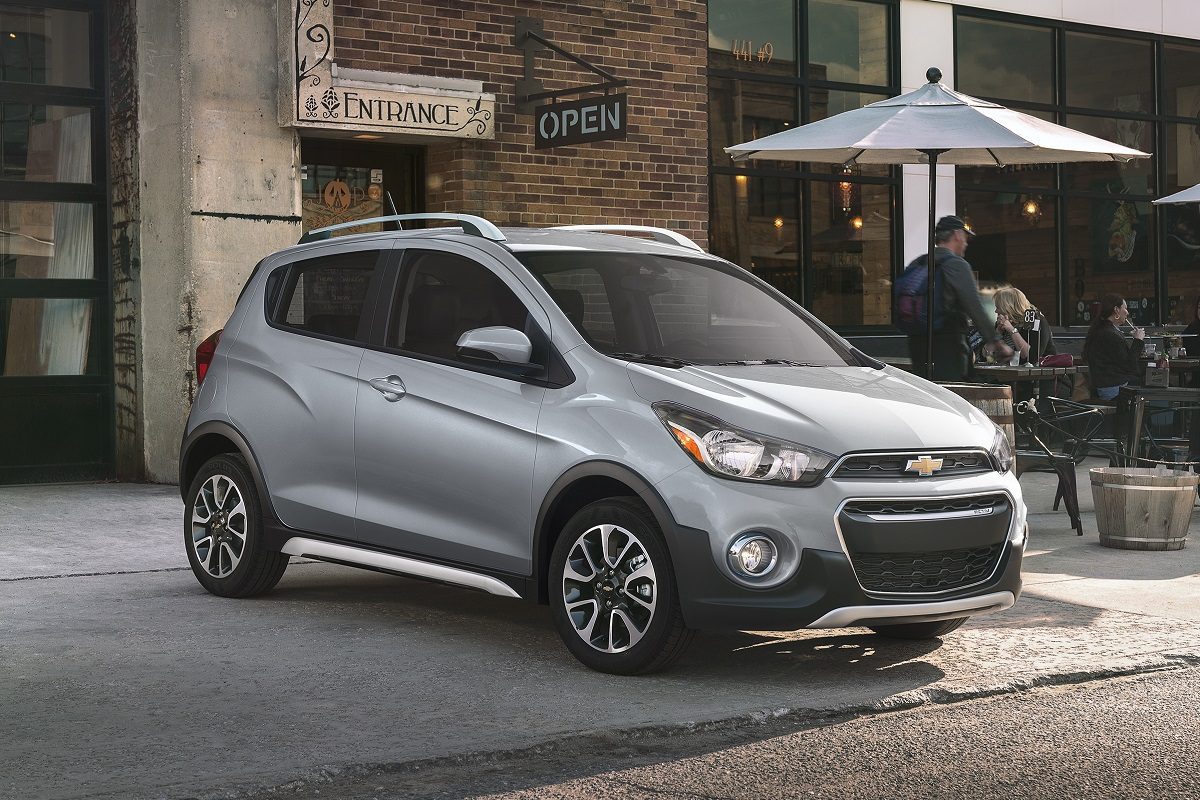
(919, 630)
(222, 531)
(612, 590)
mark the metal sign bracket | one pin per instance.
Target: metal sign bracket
(530, 37)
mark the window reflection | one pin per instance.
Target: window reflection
(740, 111)
(46, 240)
(1108, 73)
(46, 336)
(45, 143)
(1110, 248)
(851, 252)
(752, 35)
(848, 42)
(45, 46)
(1132, 177)
(1005, 60)
(755, 223)
(1181, 255)
(1183, 157)
(1015, 243)
(1181, 81)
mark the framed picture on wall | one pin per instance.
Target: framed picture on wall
(1120, 236)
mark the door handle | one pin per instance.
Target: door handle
(391, 387)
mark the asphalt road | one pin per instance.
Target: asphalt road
(1135, 737)
(121, 678)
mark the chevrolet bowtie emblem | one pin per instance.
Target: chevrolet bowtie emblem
(924, 465)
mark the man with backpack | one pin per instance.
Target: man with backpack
(955, 298)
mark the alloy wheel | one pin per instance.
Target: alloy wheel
(219, 526)
(609, 587)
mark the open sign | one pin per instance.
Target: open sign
(590, 120)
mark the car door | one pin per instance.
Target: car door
(294, 381)
(445, 456)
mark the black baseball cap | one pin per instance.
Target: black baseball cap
(952, 223)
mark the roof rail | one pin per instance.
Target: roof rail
(471, 225)
(659, 234)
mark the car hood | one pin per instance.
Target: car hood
(836, 409)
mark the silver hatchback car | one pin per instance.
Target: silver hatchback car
(643, 435)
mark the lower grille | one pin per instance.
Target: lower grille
(925, 572)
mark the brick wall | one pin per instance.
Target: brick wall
(658, 176)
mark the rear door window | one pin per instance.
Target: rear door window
(329, 296)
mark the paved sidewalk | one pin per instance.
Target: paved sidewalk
(102, 528)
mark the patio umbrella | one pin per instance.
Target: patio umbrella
(929, 126)
(1191, 195)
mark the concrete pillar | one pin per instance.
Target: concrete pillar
(219, 190)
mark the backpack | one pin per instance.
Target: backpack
(910, 296)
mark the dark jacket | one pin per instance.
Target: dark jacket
(960, 298)
(1045, 339)
(1110, 361)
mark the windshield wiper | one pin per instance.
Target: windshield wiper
(785, 362)
(653, 358)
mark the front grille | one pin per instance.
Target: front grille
(877, 466)
(925, 572)
(925, 505)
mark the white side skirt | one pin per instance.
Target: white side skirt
(299, 546)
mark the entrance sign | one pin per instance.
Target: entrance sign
(314, 93)
(591, 120)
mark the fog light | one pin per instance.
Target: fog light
(753, 555)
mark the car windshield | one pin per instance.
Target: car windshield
(675, 311)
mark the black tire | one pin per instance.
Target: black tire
(664, 637)
(257, 569)
(920, 630)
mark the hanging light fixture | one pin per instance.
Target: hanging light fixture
(1031, 208)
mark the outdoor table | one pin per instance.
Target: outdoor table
(1004, 373)
(1134, 399)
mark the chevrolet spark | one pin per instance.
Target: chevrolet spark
(644, 436)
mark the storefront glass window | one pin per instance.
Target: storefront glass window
(1014, 243)
(739, 111)
(1181, 81)
(1111, 74)
(848, 42)
(851, 252)
(752, 36)
(755, 223)
(1182, 156)
(1110, 248)
(46, 240)
(45, 143)
(1132, 177)
(46, 336)
(45, 45)
(1004, 60)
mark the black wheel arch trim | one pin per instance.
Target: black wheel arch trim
(612, 470)
(231, 433)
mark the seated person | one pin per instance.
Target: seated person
(1111, 362)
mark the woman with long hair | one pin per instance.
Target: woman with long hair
(1017, 329)
(1111, 362)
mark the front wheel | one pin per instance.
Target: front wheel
(223, 531)
(612, 590)
(919, 630)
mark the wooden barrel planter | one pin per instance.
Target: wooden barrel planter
(992, 399)
(1143, 508)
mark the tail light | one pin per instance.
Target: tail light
(204, 356)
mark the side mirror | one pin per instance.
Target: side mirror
(503, 346)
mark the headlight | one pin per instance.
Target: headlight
(730, 452)
(1002, 452)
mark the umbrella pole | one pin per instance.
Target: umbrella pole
(929, 263)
